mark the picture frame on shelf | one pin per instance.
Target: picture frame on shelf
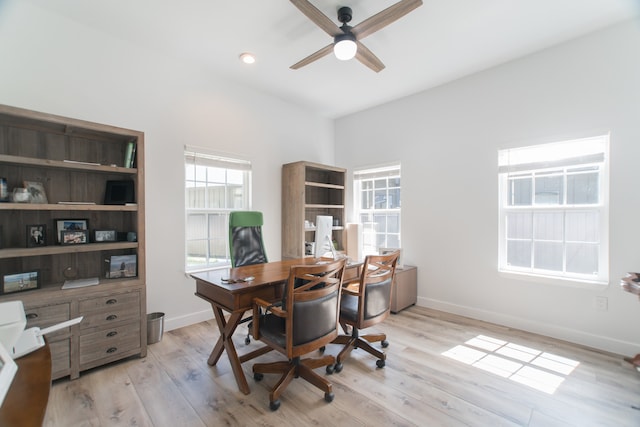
(122, 266)
(105, 236)
(74, 237)
(119, 192)
(69, 225)
(386, 251)
(36, 235)
(36, 191)
(20, 282)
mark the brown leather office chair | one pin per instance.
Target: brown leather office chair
(366, 302)
(307, 320)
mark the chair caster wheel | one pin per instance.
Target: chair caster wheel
(258, 376)
(247, 340)
(322, 349)
(328, 397)
(274, 405)
(337, 367)
(329, 369)
(384, 343)
(380, 363)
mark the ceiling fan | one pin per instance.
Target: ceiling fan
(346, 39)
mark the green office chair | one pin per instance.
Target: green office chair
(246, 246)
(245, 238)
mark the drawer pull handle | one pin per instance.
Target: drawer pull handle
(112, 334)
(112, 317)
(112, 301)
(32, 316)
(112, 349)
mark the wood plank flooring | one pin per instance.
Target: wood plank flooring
(442, 370)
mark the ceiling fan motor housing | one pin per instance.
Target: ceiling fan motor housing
(344, 14)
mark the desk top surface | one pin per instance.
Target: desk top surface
(261, 274)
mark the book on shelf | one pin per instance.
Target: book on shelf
(130, 154)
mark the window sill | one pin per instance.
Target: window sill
(188, 273)
(555, 281)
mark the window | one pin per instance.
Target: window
(377, 193)
(554, 210)
(214, 186)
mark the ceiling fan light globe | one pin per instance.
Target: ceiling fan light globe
(345, 49)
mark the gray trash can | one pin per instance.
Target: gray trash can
(155, 327)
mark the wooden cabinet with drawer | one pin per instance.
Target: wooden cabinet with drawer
(110, 329)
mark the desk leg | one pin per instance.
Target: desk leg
(225, 342)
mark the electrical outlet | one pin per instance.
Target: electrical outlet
(601, 303)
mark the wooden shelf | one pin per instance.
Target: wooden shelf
(310, 189)
(61, 164)
(54, 250)
(65, 207)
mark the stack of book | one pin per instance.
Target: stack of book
(130, 155)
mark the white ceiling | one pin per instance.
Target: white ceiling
(440, 41)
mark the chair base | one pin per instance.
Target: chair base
(354, 341)
(295, 368)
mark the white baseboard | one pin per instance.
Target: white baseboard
(189, 319)
(579, 337)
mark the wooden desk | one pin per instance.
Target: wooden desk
(26, 402)
(236, 298)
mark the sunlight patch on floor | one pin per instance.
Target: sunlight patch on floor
(534, 368)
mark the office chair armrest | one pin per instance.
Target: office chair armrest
(274, 308)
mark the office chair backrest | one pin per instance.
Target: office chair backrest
(313, 301)
(376, 283)
(246, 245)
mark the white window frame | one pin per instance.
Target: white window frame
(511, 163)
(368, 229)
(216, 235)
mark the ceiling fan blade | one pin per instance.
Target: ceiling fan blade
(313, 57)
(367, 57)
(319, 18)
(384, 18)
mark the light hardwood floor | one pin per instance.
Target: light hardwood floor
(421, 385)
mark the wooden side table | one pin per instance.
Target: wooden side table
(405, 291)
(26, 401)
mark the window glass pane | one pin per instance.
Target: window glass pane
(583, 188)
(582, 258)
(393, 224)
(519, 253)
(548, 256)
(583, 227)
(381, 240)
(394, 198)
(200, 173)
(381, 223)
(549, 190)
(196, 226)
(520, 191)
(380, 183)
(393, 241)
(519, 225)
(394, 182)
(548, 226)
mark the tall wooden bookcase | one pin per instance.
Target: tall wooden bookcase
(310, 189)
(73, 160)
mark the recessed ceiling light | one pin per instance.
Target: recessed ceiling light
(247, 58)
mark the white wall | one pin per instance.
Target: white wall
(447, 140)
(57, 66)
